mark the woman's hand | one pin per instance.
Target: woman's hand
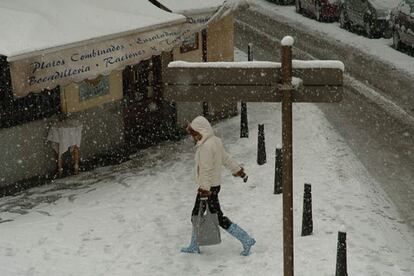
(241, 174)
(203, 193)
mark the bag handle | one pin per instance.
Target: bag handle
(203, 200)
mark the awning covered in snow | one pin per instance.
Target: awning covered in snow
(57, 42)
(190, 7)
(202, 11)
(196, 11)
(29, 26)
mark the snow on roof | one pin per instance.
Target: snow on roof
(28, 26)
(191, 6)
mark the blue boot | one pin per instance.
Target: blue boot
(243, 237)
(193, 247)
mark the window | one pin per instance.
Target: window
(34, 106)
(190, 44)
(142, 81)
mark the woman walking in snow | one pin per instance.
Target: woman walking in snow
(210, 156)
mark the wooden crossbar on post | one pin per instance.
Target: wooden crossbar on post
(287, 82)
(186, 82)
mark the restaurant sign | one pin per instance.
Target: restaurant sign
(61, 67)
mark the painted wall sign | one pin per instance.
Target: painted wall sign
(47, 71)
(92, 89)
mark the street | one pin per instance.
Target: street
(381, 137)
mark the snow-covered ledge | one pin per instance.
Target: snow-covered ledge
(225, 64)
(303, 64)
(296, 64)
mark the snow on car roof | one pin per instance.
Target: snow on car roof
(29, 26)
(386, 4)
(410, 2)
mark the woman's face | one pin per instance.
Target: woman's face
(196, 135)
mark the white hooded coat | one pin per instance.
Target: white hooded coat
(210, 156)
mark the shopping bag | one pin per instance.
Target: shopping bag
(206, 226)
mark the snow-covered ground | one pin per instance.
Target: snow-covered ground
(380, 48)
(132, 219)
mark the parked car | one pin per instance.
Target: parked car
(372, 16)
(321, 10)
(402, 22)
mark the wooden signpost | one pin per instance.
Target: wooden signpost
(286, 82)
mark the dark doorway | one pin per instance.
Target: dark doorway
(147, 118)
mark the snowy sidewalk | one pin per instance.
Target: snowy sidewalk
(132, 219)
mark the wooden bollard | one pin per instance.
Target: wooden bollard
(341, 266)
(244, 128)
(307, 222)
(261, 146)
(278, 171)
